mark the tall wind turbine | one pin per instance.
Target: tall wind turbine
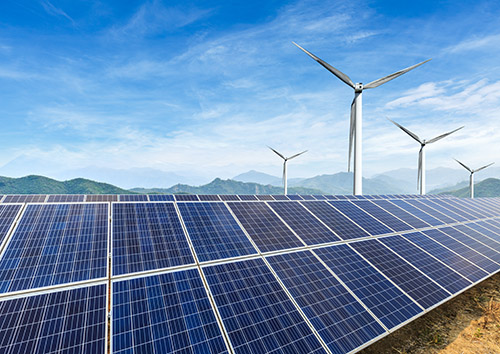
(355, 135)
(471, 179)
(421, 153)
(285, 160)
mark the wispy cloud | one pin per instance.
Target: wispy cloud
(55, 11)
(475, 43)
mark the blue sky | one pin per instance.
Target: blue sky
(200, 88)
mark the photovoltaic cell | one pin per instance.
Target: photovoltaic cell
(382, 215)
(25, 198)
(294, 197)
(247, 197)
(214, 232)
(147, 236)
(209, 197)
(309, 229)
(453, 260)
(133, 198)
(257, 313)
(403, 204)
(264, 197)
(408, 218)
(319, 197)
(385, 300)
(69, 321)
(341, 321)
(363, 219)
(161, 198)
(166, 313)
(102, 198)
(8, 213)
(486, 229)
(444, 209)
(462, 210)
(66, 198)
(228, 197)
(186, 197)
(473, 207)
(430, 266)
(280, 197)
(418, 286)
(267, 231)
(339, 223)
(479, 242)
(445, 219)
(307, 197)
(56, 244)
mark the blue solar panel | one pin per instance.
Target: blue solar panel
(453, 260)
(486, 229)
(319, 197)
(336, 221)
(101, 198)
(430, 266)
(66, 198)
(228, 197)
(209, 197)
(186, 197)
(247, 197)
(382, 215)
(8, 214)
(166, 313)
(341, 321)
(422, 289)
(404, 215)
(264, 197)
(403, 204)
(307, 197)
(420, 204)
(478, 241)
(69, 321)
(330, 197)
(161, 198)
(25, 198)
(439, 205)
(56, 244)
(448, 237)
(488, 204)
(461, 208)
(147, 236)
(258, 315)
(294, 197)
(363, 219)
(267, 231)
(382, 297)
(309, 229)
(280, 197)
(472, 207)
(214, 232)
(133, 198)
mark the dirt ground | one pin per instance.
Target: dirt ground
(468, 324)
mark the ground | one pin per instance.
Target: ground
(468, 324)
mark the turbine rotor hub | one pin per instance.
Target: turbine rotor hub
(358, 87)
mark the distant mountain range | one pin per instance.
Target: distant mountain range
(487, 188)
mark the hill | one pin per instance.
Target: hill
(488, 188)
(220, 186)
(44, 185)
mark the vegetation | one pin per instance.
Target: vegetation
(488, 188)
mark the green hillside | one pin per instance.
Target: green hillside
(488, 188)
(219, 186)
(44, 185)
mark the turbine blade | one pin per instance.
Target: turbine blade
(328, 67)
(390, 77)
(277, 153)
(464, 166)
(294, 156)
(482, 168)
(443, 136)
(407, 131)
(352, 130)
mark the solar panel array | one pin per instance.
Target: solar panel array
(227, 273)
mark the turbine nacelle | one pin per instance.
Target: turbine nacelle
(358, 87)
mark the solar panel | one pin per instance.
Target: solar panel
(247, 197)
(341, 321)
(382, 215)
(330, 197)
(25, 198)
(1, 197)
(445, 219)
(56, 244)
(258, 315)
(101, 198)
(8, 214)
(228, 197)
(382, 297)
(267, 231)
(463, 211)
(336, 221)
(421, 288)
(264, 197)
(66, 198)
(473, 207)
(401, 214)
(450, 258)
(294, 197)
(133, 198)
(309, 229)
(280, 197)
(486, 229)
(68, 321)
(166, 313)
(209, 197)
(147, 236)
(430, 266)
(161, 198)
(186, 197)
(477, 234)
(307, 197)
(447, 210)
(319, 197)
(214, 232)
(363, 219)
(429, 219)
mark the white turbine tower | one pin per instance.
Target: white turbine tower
(471, 179)
(421, 153)
(285, 160)
(355, 135)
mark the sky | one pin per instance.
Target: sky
(198, 90)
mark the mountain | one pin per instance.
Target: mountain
(44, 185)
(253, 176)
(440, 177)
(219, 186)
(457, 186)
(488, 188)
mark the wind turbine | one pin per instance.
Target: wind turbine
(421, 153)
(285, 160)
(471, 179)
(355, 135)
